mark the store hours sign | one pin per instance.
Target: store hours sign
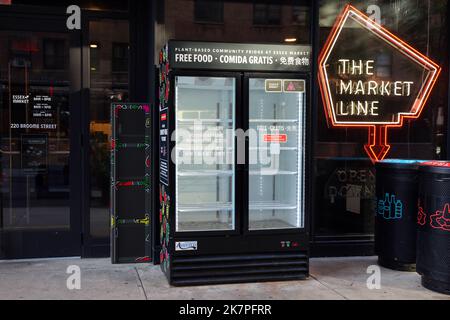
(239, 56)
(371, 78)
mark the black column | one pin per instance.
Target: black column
(142, 53)
(143, 88)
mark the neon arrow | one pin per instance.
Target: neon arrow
(377, 148)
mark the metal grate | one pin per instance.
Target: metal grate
(239, 268)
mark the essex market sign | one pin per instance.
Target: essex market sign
(371, 78)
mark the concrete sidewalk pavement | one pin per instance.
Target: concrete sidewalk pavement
(331, 278)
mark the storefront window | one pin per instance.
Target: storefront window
(35, 132)
(345, 176)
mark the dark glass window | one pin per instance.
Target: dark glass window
(95, 57)
(119, 5)
(120, 57)
(300, 15)
(345, 176)
(266, 14)
(54, 54)
(179, 19)
(208, 11)
(109, 83)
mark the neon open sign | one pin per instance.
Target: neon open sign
(371, 78)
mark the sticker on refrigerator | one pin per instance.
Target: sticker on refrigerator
(186, 246)
(274, 86)
(275, 138)
(294, 86)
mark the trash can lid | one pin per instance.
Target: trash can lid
(436, 167)
(399, 164)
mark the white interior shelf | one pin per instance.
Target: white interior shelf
(205, 173)
(205, 207)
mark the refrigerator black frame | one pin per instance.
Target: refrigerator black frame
(222, 243)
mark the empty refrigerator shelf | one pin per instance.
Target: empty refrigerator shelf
(206, 207)
(272, 173)
(270, 225)
(205, 173)
(215, 173)
(203, 226)
(190, 121)
(273, 120)
(271, 205)
(254, 206)
(268, 148)
(203, 149)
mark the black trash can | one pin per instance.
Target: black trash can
(433, 235)
(396, 213)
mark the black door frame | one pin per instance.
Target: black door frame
(142, 87)
(45, 19)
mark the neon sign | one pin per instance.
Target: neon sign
(371, 78)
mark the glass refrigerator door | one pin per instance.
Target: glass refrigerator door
(276, 177)
(205, 169)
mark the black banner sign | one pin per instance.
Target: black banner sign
(235, 56)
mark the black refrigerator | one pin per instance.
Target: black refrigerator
(234, 162)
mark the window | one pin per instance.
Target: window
(54, 54)
(239, 23)
(345, 192)
(266, 14)
(95, 58)
(208, 11)
(300, 15)
(120, 57)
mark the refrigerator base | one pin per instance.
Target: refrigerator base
(240, 268)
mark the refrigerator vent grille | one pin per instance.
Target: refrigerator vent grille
(202, 270)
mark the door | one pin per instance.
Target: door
(106, 75)
(206, 175)
(39, 148)
(276, 162)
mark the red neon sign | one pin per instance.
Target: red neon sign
(357, 82)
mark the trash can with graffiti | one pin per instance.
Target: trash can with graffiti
(396, 214)
(433, 239)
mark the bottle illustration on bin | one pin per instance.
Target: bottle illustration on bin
(390, 208)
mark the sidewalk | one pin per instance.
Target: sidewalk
(331, 278)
